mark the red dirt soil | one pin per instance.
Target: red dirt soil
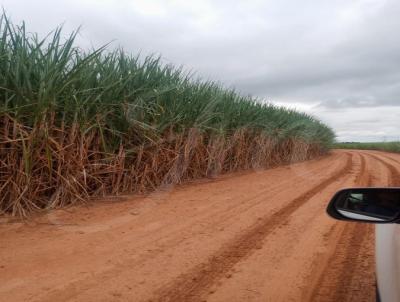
(254, 236)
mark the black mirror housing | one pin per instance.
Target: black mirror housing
(370, 205)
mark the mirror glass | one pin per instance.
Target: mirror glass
(369, 204)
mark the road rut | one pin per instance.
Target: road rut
(251, 236)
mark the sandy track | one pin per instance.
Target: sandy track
(259, 236)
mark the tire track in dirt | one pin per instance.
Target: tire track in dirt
(394, 172)
(135, 257)
(337, 281)
(248, 203)
(387, 155)
(257, 237)
(223, 215)
(357, 234)
(363, 178)
(337, 236)
(193, 285)
(340, 280)
(318, 274)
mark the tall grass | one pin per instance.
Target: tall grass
(75, 124)
(382, 146)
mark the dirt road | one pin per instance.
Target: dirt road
(256, 236)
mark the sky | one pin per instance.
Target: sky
(338, 60)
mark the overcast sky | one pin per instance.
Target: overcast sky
(336, 59)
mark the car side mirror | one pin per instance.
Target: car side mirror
(374, 205)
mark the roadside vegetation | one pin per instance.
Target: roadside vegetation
(383, 146)
(76, 124)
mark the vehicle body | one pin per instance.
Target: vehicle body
(380, 206)
(387, 251)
